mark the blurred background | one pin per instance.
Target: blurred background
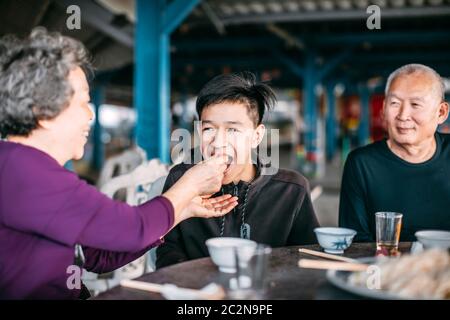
(328, 61)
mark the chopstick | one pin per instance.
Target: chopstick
(327, 256)
(141, 285)
(154, 287)
(332, 265)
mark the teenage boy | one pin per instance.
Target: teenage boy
(273, 209)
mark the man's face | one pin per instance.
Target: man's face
(413, 109)
(227, 129)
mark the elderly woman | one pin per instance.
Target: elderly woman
(45, 210)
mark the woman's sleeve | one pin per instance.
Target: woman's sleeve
(57, 205)
(102, 261)
(119, 227)
(173, 249)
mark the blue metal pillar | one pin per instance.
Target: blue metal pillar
(151, 47)
(330, 121)
(69, 166)
(364, 120)
(97, 98)
(155, 21)
(310, 104)
(311, 76)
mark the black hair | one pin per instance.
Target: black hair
(238, 87)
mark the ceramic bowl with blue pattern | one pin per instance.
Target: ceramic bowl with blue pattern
(334, 240)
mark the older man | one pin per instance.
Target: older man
(409, 172)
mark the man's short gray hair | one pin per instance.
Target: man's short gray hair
(413, 68)
(33, 78)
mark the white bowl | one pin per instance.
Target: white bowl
(222, 254)
(334, 240)
(434, 238)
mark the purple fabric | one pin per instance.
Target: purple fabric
(45, 210)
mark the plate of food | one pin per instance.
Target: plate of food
(425, 275)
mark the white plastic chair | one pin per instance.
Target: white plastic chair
(137, 183)
(142, 184)
(121, 164)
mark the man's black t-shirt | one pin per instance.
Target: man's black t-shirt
(375, 179)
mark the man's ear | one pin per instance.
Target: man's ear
(258, 135)
(443, 112)
(383, 115)
(383, 108)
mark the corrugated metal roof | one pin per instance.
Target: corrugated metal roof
(251, 7)
(258, 11)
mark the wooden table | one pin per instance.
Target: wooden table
(285, 279)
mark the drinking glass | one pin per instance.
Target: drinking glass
(388, 226)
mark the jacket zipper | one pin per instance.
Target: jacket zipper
(236, 194)
(235, 190)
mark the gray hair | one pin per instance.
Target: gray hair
(33, 78)
(420, 68)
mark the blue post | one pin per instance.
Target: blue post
(311, 76)
(330, 121)
(155, 21)
(69, 166)
(309, 102)
(97, 96)
(364, 120)
(151, 51)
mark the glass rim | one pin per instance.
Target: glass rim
(259, 249)
(262, 249)
(388, 214)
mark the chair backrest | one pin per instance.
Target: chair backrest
(137, 183)
(121, 164)
(316, 192)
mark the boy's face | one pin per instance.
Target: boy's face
(227, 129)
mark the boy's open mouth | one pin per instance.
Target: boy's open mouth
(230, 159)
(229, 162)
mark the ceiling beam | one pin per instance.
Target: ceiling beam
(383, 38)
(320, 40)
(176, 12)
(100, 18)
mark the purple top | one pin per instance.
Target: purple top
(45, 210)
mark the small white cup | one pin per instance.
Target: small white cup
(221, 251)
(434, 239)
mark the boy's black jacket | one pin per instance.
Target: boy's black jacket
(279, 212)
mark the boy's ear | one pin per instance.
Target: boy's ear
(258, 135)
(198, 126)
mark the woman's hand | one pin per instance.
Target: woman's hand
(206, 207)
(203, 179)
(206, 177)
